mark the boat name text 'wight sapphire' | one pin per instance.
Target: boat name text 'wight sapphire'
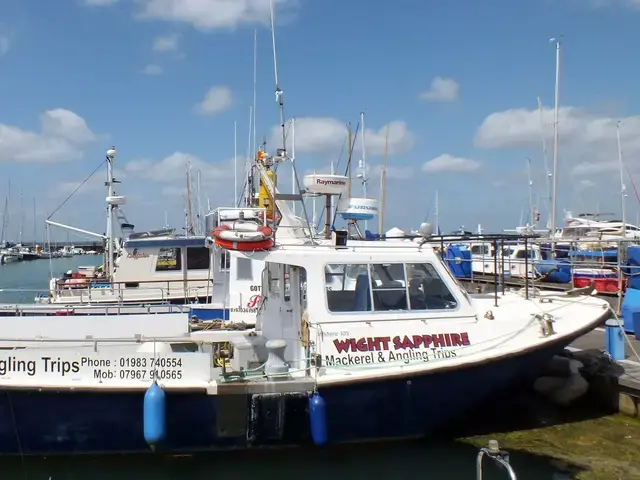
(419, 347)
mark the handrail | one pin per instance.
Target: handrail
(134, 340)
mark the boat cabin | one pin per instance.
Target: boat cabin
(409, 282)
(514, 259)
(166, 269)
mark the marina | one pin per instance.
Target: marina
(301, 305)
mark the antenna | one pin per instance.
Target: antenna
(279, 92)
(280, 100)
(255, 83)
(249, 184)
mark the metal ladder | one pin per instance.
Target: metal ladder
(500, 457)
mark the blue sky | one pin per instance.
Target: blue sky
(456, 81)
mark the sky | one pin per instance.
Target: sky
(450, 88)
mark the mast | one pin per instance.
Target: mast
(111, 155)
(189, 212)
(622, 185)
(293, 159)
(555, 148)
(546, 162)
(531, 212)
(4, 219)
(248, 191)
(349, 153)
(437, 214)
(255, 83)
(235, 164)
(35, 228)
(21, 222)
(363, 164)
(383, 182)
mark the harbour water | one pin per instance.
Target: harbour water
(417, 459)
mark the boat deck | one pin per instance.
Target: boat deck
(487, 279)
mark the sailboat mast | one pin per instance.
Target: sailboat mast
(235, 164)
(555, 147)
(622, 185)
(21, 224)
(349, 160)
(383, 182)
(437, 214)
(4, 219)
(548, 174)
(293, 159)
(189, 213)
(363, 165)
(35, 227)
(532, 215)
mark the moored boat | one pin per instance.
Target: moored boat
(353, 341)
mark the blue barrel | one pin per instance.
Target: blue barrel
(154, 415)
(633, 267)
(458, 259)
(631, 310)
(614, 339)
(318, 419)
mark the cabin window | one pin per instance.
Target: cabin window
(480, 249)
(169, 260)
(386, 287)
(526, 254)
(225, 260)
(198, 258)
(348, 288)
(244, 269)
(389, 286)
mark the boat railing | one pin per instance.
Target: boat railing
(156, 290)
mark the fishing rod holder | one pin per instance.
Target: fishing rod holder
(500, 457)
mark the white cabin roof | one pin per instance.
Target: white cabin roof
(355, 251)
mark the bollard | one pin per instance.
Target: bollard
(614, 339)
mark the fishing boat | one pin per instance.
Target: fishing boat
(353, 341)
(157, 271)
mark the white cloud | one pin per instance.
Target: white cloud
(449, 163)
(584, 183)
(152, 69)
(212, 14)
(216, 100)
(174, 167)
(4, 45)
(587, 139)
(166, 43)
(62, 137)
(99, 3)
(442, 90)
(325, 135)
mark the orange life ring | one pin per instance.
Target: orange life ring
(265, 230)
(261, 245)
